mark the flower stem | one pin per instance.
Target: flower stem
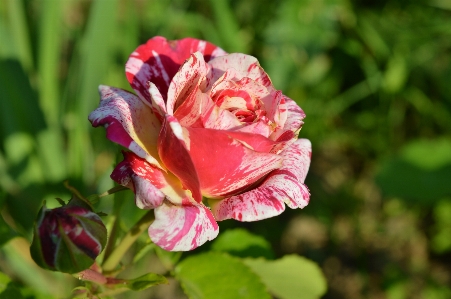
(113, 227)
(113, 190)
(118, 252)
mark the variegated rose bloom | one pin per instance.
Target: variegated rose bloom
(205, 126)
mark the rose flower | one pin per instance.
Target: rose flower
(205, 125)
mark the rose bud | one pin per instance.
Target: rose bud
(204, 124)
(68, 239)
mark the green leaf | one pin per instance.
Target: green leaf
(216, 275)
(21, 111)
(49, 47)
(239, 242)
(20, 33)
(143, 282)
(290, 276)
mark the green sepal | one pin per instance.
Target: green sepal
(143, 282)
(36, 247)
(70, 259)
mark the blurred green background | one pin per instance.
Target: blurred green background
(374, 78)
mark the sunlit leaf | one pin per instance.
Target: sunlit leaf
(241, 243)
(218, 276)
(291, 277)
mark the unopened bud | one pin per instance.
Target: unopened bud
(68, 239)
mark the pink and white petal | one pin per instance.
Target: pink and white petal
(190, 75)
(140, 180)
(275, 107)
(293, 122)
(296, 159)
(128, 121)
(260, 128)
(281, 113)
(245, 65)
(158, 103)
(182, 228)
(158, 61)
(150, 184)
(258, 204)
(282, 186)
(255, 142)
(225, 80)
(247, 89)
(173, 149)
(189, 114)
(219, 119)
(230, 165)
(147, 196)
(284, 141)
(195, 104)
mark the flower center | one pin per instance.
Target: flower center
(245, 107)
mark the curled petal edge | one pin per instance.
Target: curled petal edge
(282, 186)
(127, 121)
(182, 228)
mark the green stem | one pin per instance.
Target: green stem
(118, 202)
(118, 252)
(113, 190)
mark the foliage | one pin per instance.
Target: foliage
(373, 78)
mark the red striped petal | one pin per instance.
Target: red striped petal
(282, 186)
(150, 184)
(223, 164)
(128, 122)
(244, 65)
(182, 228)
(158, 61)
(173, 148)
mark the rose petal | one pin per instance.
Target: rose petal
(159, 60)
(219, 119)
(188, 78)
(190, 113)
(247, 89)
(294, 118)
(174, 152)
(245, 66)
(223, 164)
(150, 184)
(284, 185)
(182, 228)
(275, 107)
(128, 122)
(259, 128)
(158, 105)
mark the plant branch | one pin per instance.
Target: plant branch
(111, 262)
